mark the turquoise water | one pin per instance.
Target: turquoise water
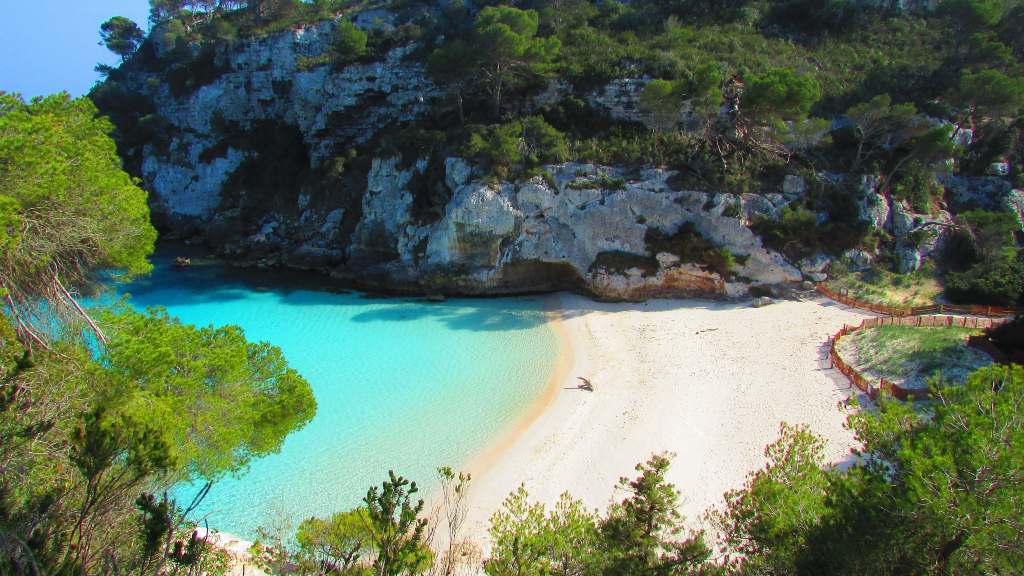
(400, 384)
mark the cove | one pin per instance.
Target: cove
(400, 383)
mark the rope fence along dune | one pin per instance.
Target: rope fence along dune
(843, 297)
(873, 388)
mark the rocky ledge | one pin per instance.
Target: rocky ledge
(576, 226)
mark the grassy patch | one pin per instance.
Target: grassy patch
(910, 355)
(880, 286)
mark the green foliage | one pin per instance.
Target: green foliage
(121, 36)
(219, 400)
(991, 93)
(919, 186)
(631, 147)
(163, 10)
(815, 18)
(998, 280)
(1009, 337)
(503, 52)
(573, 539)
(396, 529)
(660, 99)
(527, 540)
(512, 149)
(932, 491)
(955, 496)
(518, 533)
(97, 426)
(878, 123)
(349, 42)
(157, 521)
(703, 88)
(924, 147)
(191, 72)
(643, 533)
(991, 234)
(55, 154)
(795, 234)
(780, 93)
(690, 246)
(972, 15)
(337, 543)
(767, 521)
(66, 204)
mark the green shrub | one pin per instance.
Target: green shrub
(1009, 337)
(513, 148)
(918, 186)
(691, 247)
(815, 17)
(732, 210)
(222, 29)
(601, 182)
(795, 234)
(998, 281)
(189, 75)
(635, 147)
(303, 63)
(660, 100)
(780, 93)
(349, 41)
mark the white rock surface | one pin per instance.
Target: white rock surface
(487, 226)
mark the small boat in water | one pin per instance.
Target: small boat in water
(182, 262)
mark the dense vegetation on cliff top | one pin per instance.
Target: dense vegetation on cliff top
(735, 96)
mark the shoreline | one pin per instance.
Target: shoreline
(567, 360)
(707, 381)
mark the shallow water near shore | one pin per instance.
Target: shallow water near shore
(400, 383)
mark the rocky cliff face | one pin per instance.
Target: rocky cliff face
(257, 162)
(263, 157)
(567, 229)
(270, 90)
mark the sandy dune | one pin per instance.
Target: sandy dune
(707, 381)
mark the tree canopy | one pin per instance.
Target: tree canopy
(67, 205)
(232, 400)
(504, 51)
(121, 36)
(935, 491)
(94, 423)
(780, 93)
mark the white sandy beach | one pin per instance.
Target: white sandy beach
(707, 381)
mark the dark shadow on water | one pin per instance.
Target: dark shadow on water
(462, 314)
(211, 281)
(208, 281)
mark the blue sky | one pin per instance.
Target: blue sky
(51, 45)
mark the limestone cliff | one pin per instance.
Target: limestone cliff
(258, 161)
(269, 153)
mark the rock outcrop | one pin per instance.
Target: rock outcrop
(264, 160)
(271, 152)
(566, 229)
